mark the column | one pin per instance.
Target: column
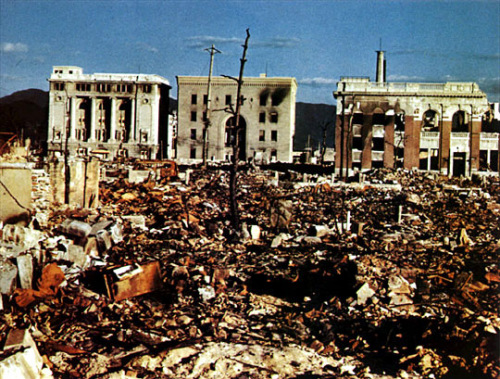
(475, 134)
(72, 118)
(112, 120)
(444, 147)
(93, 115)
(133, 121)
(429, 152)
(366, 137)
(412, 144)
(450, 166)
(389, 143)
(341, 146)
(155, 122)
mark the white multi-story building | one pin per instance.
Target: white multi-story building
(108, 115)
(267, 118)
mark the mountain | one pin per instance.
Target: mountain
(310, 119)
(25, 113)
(33, 95)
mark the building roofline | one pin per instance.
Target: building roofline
(246, 79)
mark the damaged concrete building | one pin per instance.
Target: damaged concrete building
(267, 116)
(108, 115)
(440, 127)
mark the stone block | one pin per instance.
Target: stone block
(138, 176)
(104, 241)
(27, 361)
(15, 194)
(8, 276)
(25, 269)
(255, 232)
(77, 255)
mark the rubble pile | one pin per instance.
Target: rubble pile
(395, 275)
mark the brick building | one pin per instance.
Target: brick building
(108, 115)
(439, 127)
(267, 117)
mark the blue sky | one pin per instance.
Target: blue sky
(314, 41)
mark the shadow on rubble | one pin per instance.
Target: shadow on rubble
(388, 345)
(319, 284)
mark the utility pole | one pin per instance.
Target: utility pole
(342, 147)
(206, 124)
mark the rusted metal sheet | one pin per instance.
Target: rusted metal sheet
(133, 280)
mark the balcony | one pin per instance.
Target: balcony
(356, 156)
(489, 141)
(459, 135)
(430, 135)
(377, 155)
(429, 140)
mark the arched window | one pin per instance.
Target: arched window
(460, 122)
(430, 121)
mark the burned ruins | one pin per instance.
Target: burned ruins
(393, 273)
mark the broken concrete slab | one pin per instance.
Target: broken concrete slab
(26, 362)
(78, 256)
(8, 276)
(25, 269)
(364, 294)
(75, 228)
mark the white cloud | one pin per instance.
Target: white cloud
(278, 43)
(206, 41)
(318, 82)
(12, 78)
(404, 78)
(11, 47)
(146, 47)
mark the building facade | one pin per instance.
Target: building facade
(440, 127)
(267, 118)
(108, 115)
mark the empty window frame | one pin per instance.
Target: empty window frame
(193, 116)
(146, 88)
(274, 117)
(83, 87)
(263, 99)
(58, 86)
(194, 99)
(123, 88)
(192, 153)
(262, 117)
(193, 134)
(228, 99)
(357, 143)
(378, 144)
(274, 135)
(262, 135)
(102, 87)
(205, 99)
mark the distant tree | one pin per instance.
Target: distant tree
(324, 128)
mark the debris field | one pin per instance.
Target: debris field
(394, 275)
